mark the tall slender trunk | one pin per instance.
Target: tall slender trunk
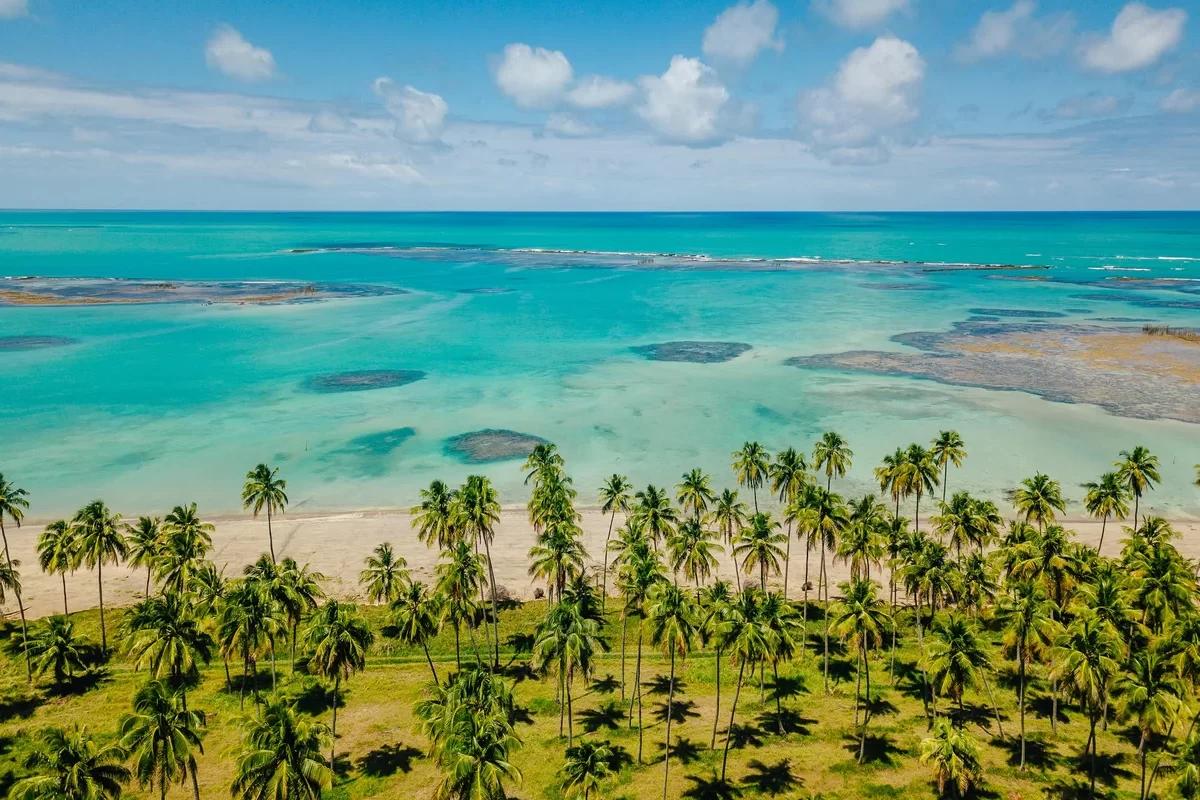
(570, 714)
(732, 712)
(271, 537)
(992, 697)
(66, 612)
(787, 562)
(945, 478)
(667, 751)
(337, 682)
(862, 742)
(147, 592)
(487, 634)
(495, 613)
(624, 625)
(228, 678)
(1021, 700)
(804, 611)
(857, 684)
(825, 613)
(195, 784)
(1137, 498)
(712, 745)
(430, 660)
(21, 607)
(457, 649)
(272, 663)
(638, 677)
(604, 592)
(100, 586)
(1142, 755)
(1092, 766)
(295, 625)
(1100, 546)
(778, 700)
(474, 644)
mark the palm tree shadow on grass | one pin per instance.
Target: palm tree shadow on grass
(620, 758)
(1075, 787)
(1108, 767)
(772, 779)
(743, 736)
(787, 687)
(681, 712)
(770, 722)
(387, 760)
(520, 715)
(518, 671)
(710, 789)
(80, 684)
(311, 696)
(606, 685)
(840, 670)
(684, 750)
(610, 715)
(341, 767)
(881, 706)
(1039, 755)
(19, 707)
(877, 749)
(521, 644)
(1042, 706)
(661, 685)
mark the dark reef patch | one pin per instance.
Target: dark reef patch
(34, 342)
(382, 442)
(363, 380)
(692, 352)
(485, 290)
(904, 287)
(491, 444)
(1122, 319)
(983, 319)
(1137, 299)
(1016, 313)
(367, 455)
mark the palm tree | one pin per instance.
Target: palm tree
(186, 542)
(567, 641)
(145, 541)
(265, 489)
(1151, 694)
(417, 614)
(1027, 619)
(715, 605)
(54, 646)
(789, 476)
(614, 499)
(586, 768)
(1138, 470)
(730, 515)
(70, 765)
(98, 534)
(640, 572)
(1187, 768)
(654, 513)
(890, 476)
(829, 518)
(249, 618)
(748, 642)
(384, 574)
(954, 756)
(207, 591)
(751, 465)
(339, 637)
(477, 513)
(672, 627)
(168, 640)
(266, 578)
(161, 739)
(1085, 658)
(299, 594)
(948, 448)
(833, 455)
(58, 553)
(694, 495)
(543, 462)
(280, 756)
(956, 521)
(861, 618)
(919, 476)
(778, 619)
(1106, 498)
(955, 657)
(13, 504)
(431, 517)
(1038, 498)
(759, 546)
(558, 555)
(693, 551)
(459, 578)
(861, 542)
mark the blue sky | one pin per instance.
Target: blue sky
(781, 104)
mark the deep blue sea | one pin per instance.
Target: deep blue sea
(526, 322)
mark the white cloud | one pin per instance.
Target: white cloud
(21, 72)
(1017, 30)
(859, 14)
(741, 32)
(533, 77)
(876, 90)
(686, 103)
(420, 116)
(327, 121)
(1140, 36)
(598, 91)
(12, 9)
(1181, 101)
(560, 124)
(1087, 106)
(228, 52)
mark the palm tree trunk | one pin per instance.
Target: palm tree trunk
(778, 700)
(457, 650)
(992, 697)
(337, 682)
(624, 625)
(474, 644)
(228, 678)
(66, 612)
(1142, 754)
(1136, 500)
(21, 607)
(787, 561)
(272, 663)
(862, 742)
(667, 749)
(195, 784)
(1099, 547)
(430, 660)
(639, 693)
(495, 613)
(604, 576)
(945, 478)
(100, 586)
(732, 712)
(147, 592)
(804, 610)
(271, 540)
(570, 715)
(637, 681)
(295, 625)
(1092, 766)
(857, 685)
(825, 613)
(1021, 700)
(712, 745)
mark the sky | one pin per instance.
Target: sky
(604, 105)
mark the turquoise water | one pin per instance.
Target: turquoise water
(158, 404)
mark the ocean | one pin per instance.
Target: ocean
(530, 323)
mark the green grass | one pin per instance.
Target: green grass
(381, 754)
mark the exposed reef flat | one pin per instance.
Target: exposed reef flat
(363, 380)
(1016, 313)
(1136, 299)
(34, 342)
(492, 444)
(904, 287)
(692, 352)
(35, 291)
(1120, 369)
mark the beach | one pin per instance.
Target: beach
(335, 545)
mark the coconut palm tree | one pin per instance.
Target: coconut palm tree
(1038, 498)
(614, 499)
(1026, 616)
(693, 551)
(58, 553)
(13, 503)
(567, 641)
(339, 637)
(789, 477)
(98, 533)
(166, 639)
(654, 513)
(543, 462)
(1138, 470)
(145, 542)
(384, 575)
(694, 495)
(207, 591)
(832, 455)
(459, 578)
(954, 756)
(477, 514)
(1086, 659)
(432, 518)
(759, 546)
(640, 572)
(264, 489)
(955, 521)
(249, 619)
(586, 768)
(162, 739)
(1151, 694)
(558, 555)
(861, 542)
(55, 647)
(730, 516)
(890, 475)
(778, 619)
(861, 618)
(748, 642)
(948, 448)
(918, 477)
(955, 657)
(280, 755)
(751, 465)
(715, 604)
(673, 628)
(71, 765)
(829, 518)
(299, 595)
(417, 615)
(1106, 498)
(186, 542)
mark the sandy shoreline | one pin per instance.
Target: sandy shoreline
(335, 544)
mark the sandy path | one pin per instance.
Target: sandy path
(336, 544)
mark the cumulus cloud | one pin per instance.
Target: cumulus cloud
(1140, 36)
(327, 121)
(598, 91)
(1087, 106)
(228, 52)
(859, 14)
(13, 9)
(687, 103)
(420, 116)
(742, 31)
(560, 124)
(1181, 101)
(533, 77)
(876, 90)
(1018, 30)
